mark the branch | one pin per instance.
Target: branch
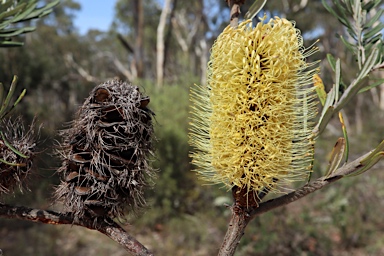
(125, 43)
(106, 226)
(85, 74)
(130, 74)
(234, 6)
(347, 169)
(241, 216)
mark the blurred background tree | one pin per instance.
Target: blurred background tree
(58, 67)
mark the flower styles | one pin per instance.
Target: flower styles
(251, 125)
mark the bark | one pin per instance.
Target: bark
(239, 221)
(104, 225)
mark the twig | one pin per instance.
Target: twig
(347, 169)
(106, 226)
(241, 216)
(234, 6)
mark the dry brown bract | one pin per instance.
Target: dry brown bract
(105, 152)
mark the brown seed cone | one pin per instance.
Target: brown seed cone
(16, 163)
(105, 153)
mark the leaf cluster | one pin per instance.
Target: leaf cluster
(13, 12)
(362, 22)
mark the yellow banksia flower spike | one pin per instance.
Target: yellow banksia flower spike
(251, 125)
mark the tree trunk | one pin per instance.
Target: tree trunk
(160, 42)
(139, 31)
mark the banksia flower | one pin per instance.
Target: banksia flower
(105, 153)
(16, 154)
(251, 125)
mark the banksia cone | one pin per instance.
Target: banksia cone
(16, 153)
(105, 153)
(251, 125)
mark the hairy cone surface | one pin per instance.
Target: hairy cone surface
(106, 152)
(16, 163)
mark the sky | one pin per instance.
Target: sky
(94, 14)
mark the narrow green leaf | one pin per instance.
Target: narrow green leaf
(369, 63)
(51, 4)
(5, 23)
(337, 80)
(5, 104)
(11, 147)
(377, 83)
(1, 93)
(357, 9)
(371, 40)
(378, 149)
(349, 46)
(332, 61)
(368, 5)
(329, 9)
(344, 129)
(375, 18)
(17, 32)
(14, 11)
(349, 7)
(11, 164)
(373, 160)
(326, 112)
(25, 12)
(10, 44)
(43, 11)
(376, 3)
(378, 28)
(21, 96)
(342, 14)
(324, 120)
(350, 92)
(375, 156)
(5, 6)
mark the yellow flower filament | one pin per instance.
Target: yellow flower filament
(251, 124)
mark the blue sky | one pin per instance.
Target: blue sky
(94, 14)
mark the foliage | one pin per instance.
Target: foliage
(12, 12)
(368, 48)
